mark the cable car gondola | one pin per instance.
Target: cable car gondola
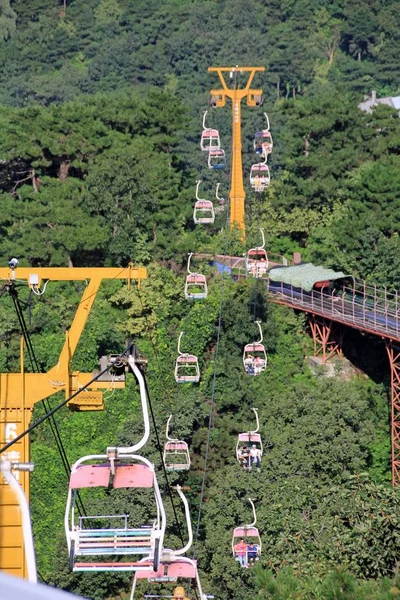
(203, 209)
(263, 140)
(186, 366)
(246, 542)
(246, 443)
(255, 356)
(195, 285)
(209, 137)
(176, 455)
(216, 159)
(257, 259)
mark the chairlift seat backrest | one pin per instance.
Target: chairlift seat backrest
(210, 133)
(176, 446)
(181, 569)
(204, 205)
(240, 532)
(257, 254)
(254, 348)
(133, 476)
(86, 476)
(253, 437)
(260, 168)
(187, 359)
(196, 278)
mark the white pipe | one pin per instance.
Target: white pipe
(188, 263)
(254, 514)
(145, 411)
(258, 424)
(261, 333)
(188, 522)
(6, 469)
(268, 125)
(179, 344)
(204, 119)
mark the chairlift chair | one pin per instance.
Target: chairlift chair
(186, 366)
(195, 285)
(203, 209)
(176, 455)
(174, 564)
(92, 536)
(249, 534)
(259, 176)
(263, 140)
(249, 438)
(255, 356)
(216, 159)
(209, 137)
(257, 259)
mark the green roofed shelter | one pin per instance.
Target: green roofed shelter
(304, 276)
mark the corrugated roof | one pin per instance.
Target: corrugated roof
(304, 276)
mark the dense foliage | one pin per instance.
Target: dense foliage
(100, 115)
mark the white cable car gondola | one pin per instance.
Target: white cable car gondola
(173, 564)
(257, 259)
(209, 137)
(195, 285)
(99, 538)
(203, 209)
(260, 176)
(216, 159)
(249, 448)
(255, 356)
(263, 140)
(186, 366)
(176, 455)
(246, 542)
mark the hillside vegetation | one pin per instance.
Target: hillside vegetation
(100, 121)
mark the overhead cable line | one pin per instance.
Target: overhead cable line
(56, 408)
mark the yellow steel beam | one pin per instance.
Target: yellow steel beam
(237, 194)
(20, 391)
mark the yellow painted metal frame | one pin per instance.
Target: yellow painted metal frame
(19, 392)
(237, 193)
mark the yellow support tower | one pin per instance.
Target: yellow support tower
(19, 392)
(236, 94)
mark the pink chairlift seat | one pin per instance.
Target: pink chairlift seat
(254, 348)
(245, 532)
(86, 476)
(195, 278)
(176, 446)
(133, 476)
(181, 569)
(187, 359)
(203, 205)
(253, 437)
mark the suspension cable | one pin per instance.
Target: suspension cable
(56, 408)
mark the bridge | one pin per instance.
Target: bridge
(349, 302)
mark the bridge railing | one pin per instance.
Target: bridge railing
(368, 308)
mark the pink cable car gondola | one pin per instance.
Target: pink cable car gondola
(259, 177)
(99, 538)
(176, 455)
(248, 441)
(209, 137)
(216, 159)
(263, 140)
(186, 366)
(246, 542)
(257, 259)
(195, 285)
(255, 356)
(203, 209)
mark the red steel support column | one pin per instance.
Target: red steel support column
(328, 337)
(393, 351)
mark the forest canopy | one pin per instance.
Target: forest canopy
(101, 105)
